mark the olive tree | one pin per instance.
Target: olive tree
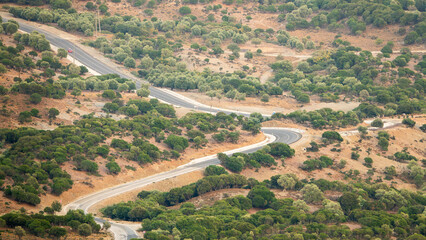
(301, 206)
(56, 206)
(20, 232)
(288, 181)
(143, 91)
(106, 225)
(57, 232)
(53, 113)
(377, 123)
(312, 194)
(84, 229)
(62, 53)
(184, 10)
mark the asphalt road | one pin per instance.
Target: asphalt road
(125, 231)
(102, 68)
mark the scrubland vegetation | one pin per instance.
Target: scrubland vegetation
(155, 40)
(379, 211)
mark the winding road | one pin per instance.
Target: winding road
(126, 231)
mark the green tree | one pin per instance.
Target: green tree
(110, 94)
(146, 63)
(122, 87)
(184, 10)
(349, 201)
(363, 131)
(106, 225)
(210, 18)
(60, 185)
(129, 62)
(56, 206)
(103, 8)
(84, 230)
(3, 69)
(177, 143)
(24, 117)
(62, 53)
(408, 122)
(234, 164)
(57, 232)
(377, 123)
(113, 167)
(200, 142)
(248, 55)
(364, 94)
(76, 92)
(11, 28)
(387, 48)
(368, 161)
(231, 94)
(411, 38)
(383, 143)
(420, 5)
(261, 196)
(264, 98)
(214, 170)
(332, 136)
(89, 166)
(423, 128)
(90, 6)
(53, 113)
(48, 210)
(20, 232)
(74, 69)
(312, 194)
(2, 223)
(62, 4)
(256, 41)
(284, 65)
(288, 181)
(281, 150)
(143, 92)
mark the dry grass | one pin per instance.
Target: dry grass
(8, 234)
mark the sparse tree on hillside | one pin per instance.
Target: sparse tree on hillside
(377, 123)
(312, 194)
(364, 94)
(56, 206)
(62, 53)
(85, 229)
(20, 232)
(301, 206)
(288, 181)
(74, 69)
(52, 114)
(10, 28)
(143, 92)
(408, 122)
(35, 98)
(57, 232)
(383, 143)
(184, 10)
(3, 69)
(106, 225)
(349, 201)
